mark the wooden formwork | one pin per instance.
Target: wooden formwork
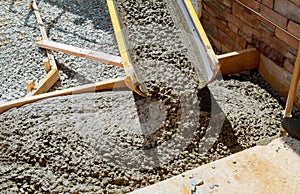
(229, 63)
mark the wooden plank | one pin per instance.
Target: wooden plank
(43, 32)
(236, 62)
(132, 79)
(201, 32)
(39, 20)
(53, 75)
(47, 82)
(293, 87)
(278, 78)
(117, 83)
(80, 52)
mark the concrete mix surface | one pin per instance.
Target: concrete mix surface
(116, 142)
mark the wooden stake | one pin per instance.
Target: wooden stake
(293, 87)
(50, 65)
(46, 63)
(29, 85)
(47, 82)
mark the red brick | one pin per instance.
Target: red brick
(266, 28)
(241, 42)
(274, 43)
(272, 15)
(228, 3)
(226, 40)
(287, 9)
(265, 21)
(293, 51)
(268, 51)
(230, 39)
(231, 34)
(268, 3)
(291, 57)
(287, 38)
(207, 9)
(296, 2)
(217, 7)
(233, 27)
(216, 42)
(216, 21)
(252, 4)
(294, 28)
(244, 14)
(245, 36)
(245, 28)
(232, 19)
(210, 29)
(288, 66)
(225, 49)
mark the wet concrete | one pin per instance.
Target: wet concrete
(115, 142)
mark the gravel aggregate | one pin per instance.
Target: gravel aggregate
(116, 142)
(78, 23)
(20, 60)
(86, 25)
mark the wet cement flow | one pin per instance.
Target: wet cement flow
(115, 142)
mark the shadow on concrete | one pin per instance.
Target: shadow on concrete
(293, 143)
(212, 127)
(71, 74)
(94, 10)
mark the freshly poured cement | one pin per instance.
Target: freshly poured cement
(161, 45)
(114, 142)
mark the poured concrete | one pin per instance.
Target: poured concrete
(263, 169)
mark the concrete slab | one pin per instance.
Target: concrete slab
(273, 168)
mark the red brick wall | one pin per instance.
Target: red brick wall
(271, 26)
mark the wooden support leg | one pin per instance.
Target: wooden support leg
(118, 83)
(46, 63)
(49, 63)
(29, 85)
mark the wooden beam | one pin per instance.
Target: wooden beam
(201, 33)
(236, 62)
(293, 87)
(47, 82)
(50, 65)
(117, 83)
(43, 32)
(39, 20)
(80, 52)
(132, 78)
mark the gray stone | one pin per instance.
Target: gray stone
(287, 9)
